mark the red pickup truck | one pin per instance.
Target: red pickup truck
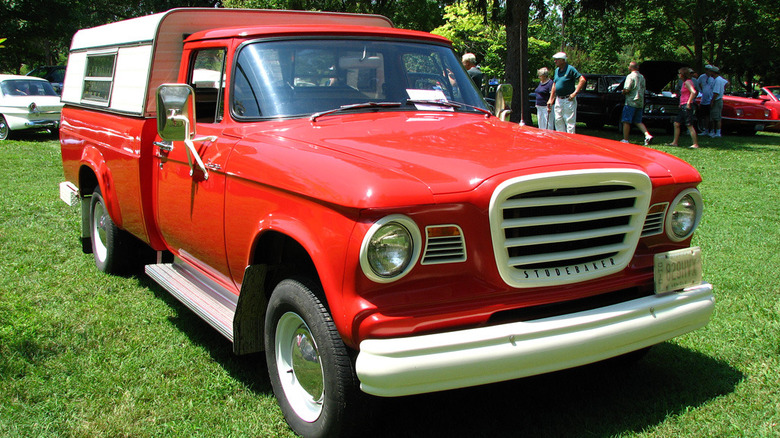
(335, 192)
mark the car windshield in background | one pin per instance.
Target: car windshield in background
(302, 77)
(22, 87)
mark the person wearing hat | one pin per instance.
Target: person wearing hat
(718, 89)
(705, 88)
(567, 83)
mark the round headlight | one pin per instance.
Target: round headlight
(390, 249)
(684, 215)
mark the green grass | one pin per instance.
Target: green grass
(88, 355)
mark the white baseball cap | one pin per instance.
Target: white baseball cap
(560, 55)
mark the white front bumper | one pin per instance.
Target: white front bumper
(437, 362)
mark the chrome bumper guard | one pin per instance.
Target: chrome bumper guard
(442, 361)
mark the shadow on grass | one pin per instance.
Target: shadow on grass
(606, 398)
(603, 399)
(748, 143)
(248, 369)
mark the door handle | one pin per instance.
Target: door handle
(164, 146)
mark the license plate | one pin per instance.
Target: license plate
(676, 270)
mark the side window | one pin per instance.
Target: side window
(207, 73)
(99, 78)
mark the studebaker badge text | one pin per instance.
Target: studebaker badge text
(569, 270)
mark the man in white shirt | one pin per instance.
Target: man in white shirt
(718, 89)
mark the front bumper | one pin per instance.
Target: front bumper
(437, 362)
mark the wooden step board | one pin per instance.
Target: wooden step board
(205, 299)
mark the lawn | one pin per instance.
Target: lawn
(84, 354)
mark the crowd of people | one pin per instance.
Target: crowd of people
(556, 99)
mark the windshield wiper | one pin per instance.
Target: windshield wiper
(446, 103)
(355, 106)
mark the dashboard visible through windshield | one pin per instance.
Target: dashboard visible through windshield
(301, 77)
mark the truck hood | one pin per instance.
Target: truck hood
(416, 155)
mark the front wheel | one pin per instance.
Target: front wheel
(311, 372)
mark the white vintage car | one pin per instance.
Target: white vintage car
(27, 103)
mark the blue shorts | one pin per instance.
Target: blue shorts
(631, 115)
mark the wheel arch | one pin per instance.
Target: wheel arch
(275, 257)
(94, 173)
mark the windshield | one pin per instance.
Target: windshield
(302, 77)
(26, 87)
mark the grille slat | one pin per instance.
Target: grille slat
(563, 219)
(564, 200)
(530, 261)
(565, 237)
(566, 227)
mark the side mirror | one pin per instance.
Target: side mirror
(175, 112)
(503, 101)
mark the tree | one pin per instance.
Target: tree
(40, 32)
(422, 15)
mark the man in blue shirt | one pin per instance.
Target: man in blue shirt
(567, 83)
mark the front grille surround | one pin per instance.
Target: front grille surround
(566, 227)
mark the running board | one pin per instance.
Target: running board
(203, 298)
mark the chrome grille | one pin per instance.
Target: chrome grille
(567, 227)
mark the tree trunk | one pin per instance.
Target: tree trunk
(517, 58)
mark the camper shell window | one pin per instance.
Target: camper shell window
(99, 78)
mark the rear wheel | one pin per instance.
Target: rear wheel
(310, 369)
(110, 245)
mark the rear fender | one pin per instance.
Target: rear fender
(92, 161)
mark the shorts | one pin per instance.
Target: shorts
(704, 111)
(686, 116)
(631, 115)
(715, 109)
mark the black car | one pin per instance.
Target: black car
(601, 101)
(52, 73)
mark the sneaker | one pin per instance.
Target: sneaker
(705, 132)
(712, 135)
(648, 139)
(715, 135)
(624, 141)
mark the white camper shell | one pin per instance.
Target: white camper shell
(119, 66)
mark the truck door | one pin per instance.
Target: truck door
(190, 203)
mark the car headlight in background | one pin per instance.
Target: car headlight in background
(390, 248)
(684, 215)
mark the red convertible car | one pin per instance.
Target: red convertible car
(770, 97)
(746, 115)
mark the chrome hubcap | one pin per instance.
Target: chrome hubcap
(299, 366)
(99, 231)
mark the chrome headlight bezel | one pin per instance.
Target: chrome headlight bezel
(689, 203)
(370, 254)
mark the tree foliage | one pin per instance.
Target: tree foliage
(409, 14)
(600, 36)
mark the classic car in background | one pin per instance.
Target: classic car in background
(746, 116)
(27, 103)
(601, 100)
(771, 98)
(55, 74)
